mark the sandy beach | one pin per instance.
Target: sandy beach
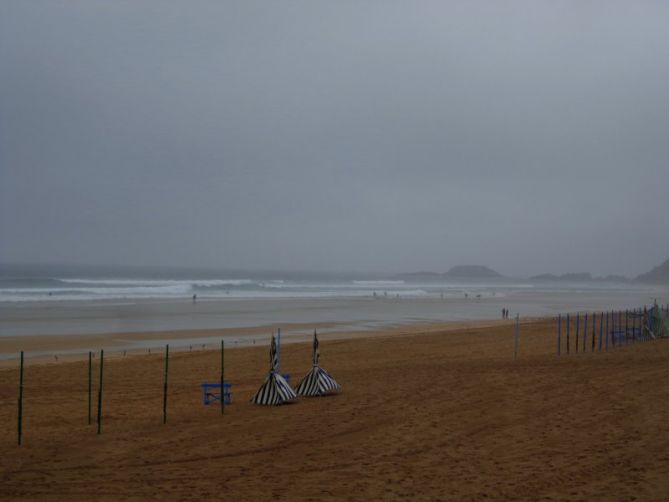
(440, 190)
(427, 412)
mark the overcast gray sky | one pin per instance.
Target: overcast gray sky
(364, 135)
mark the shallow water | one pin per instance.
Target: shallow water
(356, 312)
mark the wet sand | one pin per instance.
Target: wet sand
(46, 348)
(424, 414)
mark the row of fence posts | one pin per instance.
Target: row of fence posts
(100, 387)
(618, 327)
(640, 319)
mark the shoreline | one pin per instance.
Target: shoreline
(104, 317)
(45, 349)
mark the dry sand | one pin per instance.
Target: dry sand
(437, 415)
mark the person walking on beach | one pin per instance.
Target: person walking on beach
(194, 298)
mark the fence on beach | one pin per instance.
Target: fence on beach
(576, 333)
(601, 331)
(95, 397)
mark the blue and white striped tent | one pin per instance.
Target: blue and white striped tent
(275, 390)
(317, 382)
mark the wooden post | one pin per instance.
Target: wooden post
(613, 328)
(559, 332)
(167, 361)
(20, 418)
(645, 327)
(627, 316)
(601, 330)
(614, 320)
(278, 349)
(606, 345)
(585, 331)
(515, 348)
(578, 326)
(594, 331)
(90, 385)
(222, 377)
(568, 327)
(102, 360)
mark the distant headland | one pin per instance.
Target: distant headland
(457, 272)
(658, 275)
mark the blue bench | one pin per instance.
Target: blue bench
(211, 392)
(617, 335)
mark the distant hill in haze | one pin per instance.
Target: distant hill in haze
(458, 272)
(659, 274)
(472, 272)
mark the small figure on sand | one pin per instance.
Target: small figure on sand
(194, 297)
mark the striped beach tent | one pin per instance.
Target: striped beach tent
(275, 390)
(317, 382)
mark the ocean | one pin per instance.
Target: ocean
(89, 300)
(62, 289)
